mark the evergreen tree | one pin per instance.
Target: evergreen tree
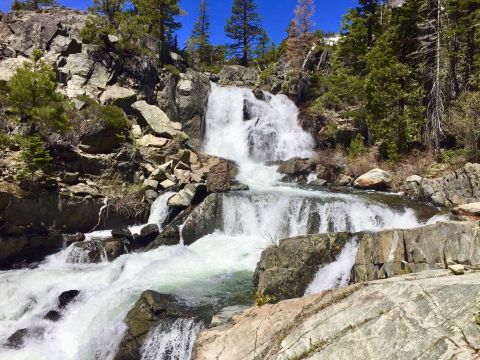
(33, 96)
(34, 157)
(199, 41)
(244, 27)
(159, 17)
(433, 78)
(263, 45)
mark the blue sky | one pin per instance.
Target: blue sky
(276, 15)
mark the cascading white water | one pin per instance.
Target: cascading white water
(271, 133)
(337, 273)
(171, 341)
(158, 212)
(208, 271)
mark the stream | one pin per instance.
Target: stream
(217, 269)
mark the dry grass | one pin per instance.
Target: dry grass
(124, 198)
(363, 163)
(332, 157)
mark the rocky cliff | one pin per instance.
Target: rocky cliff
(285, 271)
(99, 182)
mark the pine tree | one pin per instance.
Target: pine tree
(199, 41)
(159, 17)
(263, 45)
(34, 157)
(433, 78)
(33, 96)
(244, 27)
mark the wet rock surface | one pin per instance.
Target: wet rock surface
(417, 316)
(148, 312)
(285, 271)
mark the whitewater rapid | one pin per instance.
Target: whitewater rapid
(215, 270)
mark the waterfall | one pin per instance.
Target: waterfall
(213, 270)
(249, 131)
(158, 215)
(337, 273)
(171, 341)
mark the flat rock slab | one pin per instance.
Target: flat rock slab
(417, 316)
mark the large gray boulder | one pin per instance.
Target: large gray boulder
(376, 179)
(204, 219)
(427, 316)
(192, 92)
(236, 75)
(156, 120)
(118, 96)
(285, 271)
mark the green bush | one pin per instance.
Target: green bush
(33, 96)
(114, 118)
(357, 147)
(34, 157)
(5, 141)
(454, 156)
(172, 69)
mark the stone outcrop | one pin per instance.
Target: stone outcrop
(204, 219)
(468, 211)
(456, 188)
(147, 313)
(236, 75)
(415, 316)
(286, 271)
(29, 226)
(389, 253)
(191, 97)
(156, 120)
(376, 179)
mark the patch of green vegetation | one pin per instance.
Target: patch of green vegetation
(262, 299)
(114, 118)
(34, 157)
(172, 69)
(357, 147)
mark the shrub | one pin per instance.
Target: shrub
(33, 96)
(262, 299)
(455, 157)
(357, 147)
(124, 198)
(465, 123)
(34, 156)
(172, 69)
(114, 118)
